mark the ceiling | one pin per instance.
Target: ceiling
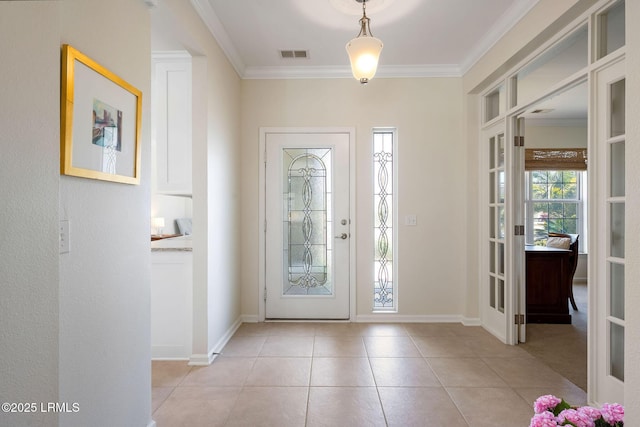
(421, 37)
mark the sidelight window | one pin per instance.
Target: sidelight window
(385, 286)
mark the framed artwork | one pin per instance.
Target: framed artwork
(100, 122)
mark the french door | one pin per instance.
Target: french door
(308, 227)
(494, 213)
(607, 257)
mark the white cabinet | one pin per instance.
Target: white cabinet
(172, 122)
(171, 304)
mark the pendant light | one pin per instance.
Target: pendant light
(364, 50)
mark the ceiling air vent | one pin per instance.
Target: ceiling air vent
(294, 54)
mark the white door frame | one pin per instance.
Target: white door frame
(262, 214)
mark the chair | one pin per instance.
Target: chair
(573, 261)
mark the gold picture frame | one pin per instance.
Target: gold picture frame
(100, 121)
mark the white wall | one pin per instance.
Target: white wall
(29, 176)
(75, 327)
(432, 183)
(555, 136)
(216, 166)
(105, 279)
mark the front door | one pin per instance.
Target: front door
(307, 247)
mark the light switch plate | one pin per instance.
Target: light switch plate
(65, 244)
(410, 220)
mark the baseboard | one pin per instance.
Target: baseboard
(249, 318)
(471, 321)
(171, 358)
(207, 359)
(394, 317)
(227, 336)
(202, 359)
(170, 352)
(400, 318)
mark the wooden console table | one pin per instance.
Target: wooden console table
(549, 277)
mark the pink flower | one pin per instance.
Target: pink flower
(545, 403)
(612, 413)
(575, 417)
(543, 419)
(590, 411)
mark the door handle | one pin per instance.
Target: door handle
(342, 236)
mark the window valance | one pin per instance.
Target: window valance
(555, 159)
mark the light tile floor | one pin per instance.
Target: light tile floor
(353, 374)
(544, 340)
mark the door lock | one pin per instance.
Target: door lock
(342, 236)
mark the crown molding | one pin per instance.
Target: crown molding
(507, 21)
(338, 72)
(213, 23)
(438, 70)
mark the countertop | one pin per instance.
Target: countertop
(180, 243)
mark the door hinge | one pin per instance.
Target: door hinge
(519, 320)
(518, 230)
(518, 141)
(265, 294)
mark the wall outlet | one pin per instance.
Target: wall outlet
(65, 244)
(410, 220)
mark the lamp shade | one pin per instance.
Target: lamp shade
(364, 52)
(157, 222)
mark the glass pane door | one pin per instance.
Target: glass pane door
(609, 249)
(494, 290)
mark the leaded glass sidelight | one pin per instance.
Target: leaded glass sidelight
(384, 284)
(307, 221)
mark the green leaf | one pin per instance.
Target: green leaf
(560, 407)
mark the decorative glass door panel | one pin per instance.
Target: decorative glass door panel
(307, 226)
(307, 253)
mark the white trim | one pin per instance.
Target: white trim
(344, 72)
(249, 318)
(170, 55)
(471, 321)
(207, 359)
(202, 359)
(422, 318)
(505, 22)
(169, 352)
(205, 11)
(262, 214)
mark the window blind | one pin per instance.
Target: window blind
(555, 159)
